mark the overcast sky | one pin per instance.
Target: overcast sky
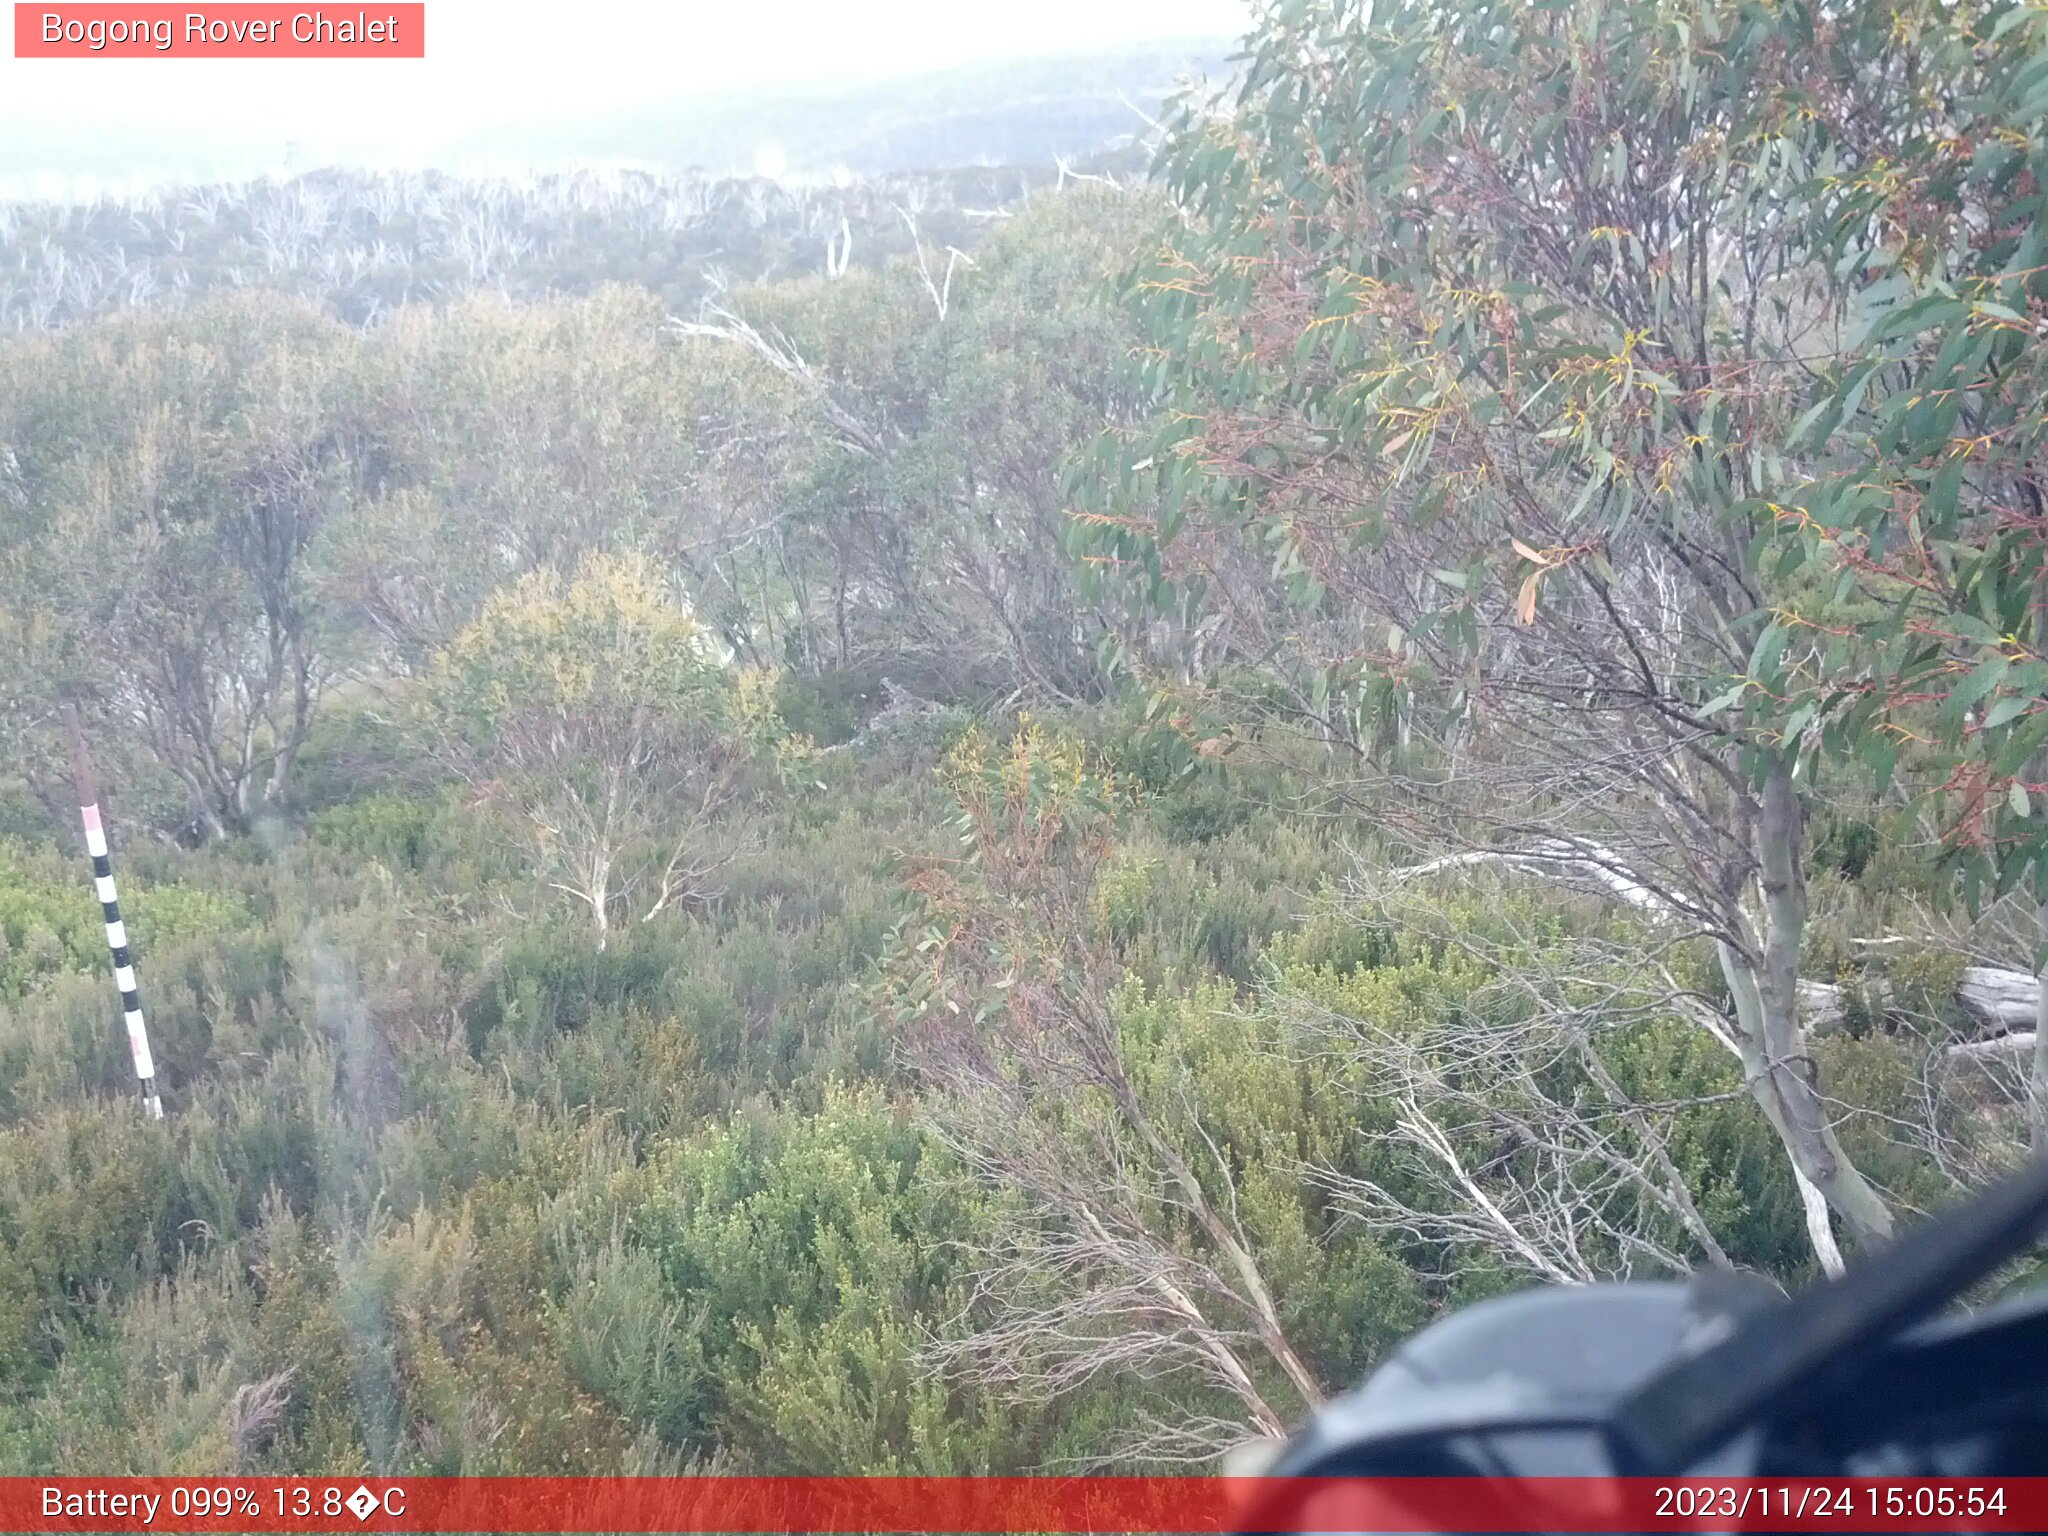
(497, 60)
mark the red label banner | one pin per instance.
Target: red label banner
(1190, 1505)
(228, 31)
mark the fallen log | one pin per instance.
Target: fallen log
(2001, 1002)
(1998, 1000)
(2003, 999)
(2020, 1043)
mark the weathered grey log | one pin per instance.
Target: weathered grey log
(1821, 1004)
(1999, 1000)
(2019, 1043)
(2003, 999)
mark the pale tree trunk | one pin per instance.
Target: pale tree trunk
(1776, 1060)
(1820, 1227)
(2038, 1078)
(600, 895)
(2040, 1073)
(592, 886)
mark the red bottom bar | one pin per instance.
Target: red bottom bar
(1193, 1505)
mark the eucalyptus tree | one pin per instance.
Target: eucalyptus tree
(1928, 511)
(601, 719)
(173, 481)
(922, 528)
(1503, 356)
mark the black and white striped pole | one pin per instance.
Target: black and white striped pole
(117, 932)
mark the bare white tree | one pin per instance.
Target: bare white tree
(939, 290)
(1519, 1139)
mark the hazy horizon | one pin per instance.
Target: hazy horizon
(516, 67)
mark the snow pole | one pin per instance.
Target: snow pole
(117, 932)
